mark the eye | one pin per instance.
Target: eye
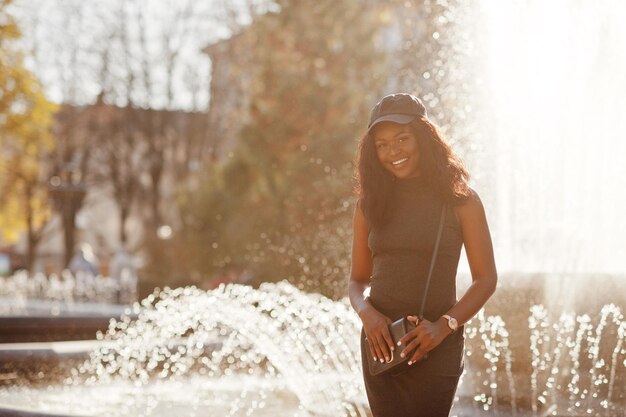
(381, 145)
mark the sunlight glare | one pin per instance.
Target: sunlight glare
(555, 77)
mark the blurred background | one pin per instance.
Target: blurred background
(214, 141)
(147, 144)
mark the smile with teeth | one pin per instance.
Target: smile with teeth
(399, 161)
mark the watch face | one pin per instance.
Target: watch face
(453, 323)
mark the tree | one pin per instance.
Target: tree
(122, 128)
(280, 205)
(25, 136)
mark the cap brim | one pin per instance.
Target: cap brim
(397, 118)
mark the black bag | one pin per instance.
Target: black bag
(402, 326)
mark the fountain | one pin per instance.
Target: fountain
(66, 307)
(22, 293)
(237, 351)
(47, 323)
(551, 78)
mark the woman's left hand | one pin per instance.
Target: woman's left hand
(424, 338)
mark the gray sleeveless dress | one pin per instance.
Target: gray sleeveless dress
(401, 254)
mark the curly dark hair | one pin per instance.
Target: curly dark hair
(444, 171)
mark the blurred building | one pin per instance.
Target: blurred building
(94, 135)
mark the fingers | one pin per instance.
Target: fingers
(419, 341)
(378, 353)
(379, 341)
(415, 342)
(411, 334)
(383, 348)
(371, 349)
(419, 354)
(418, 350)
(374, 348)
(389, 343)
(410, 347)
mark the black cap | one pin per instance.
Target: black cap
(400, 108)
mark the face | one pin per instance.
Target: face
(397, 149)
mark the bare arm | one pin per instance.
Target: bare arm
(375, 324)
(361, 267)
(479, 251)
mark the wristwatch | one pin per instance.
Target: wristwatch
(452, 323)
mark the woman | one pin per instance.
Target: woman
(406, 173)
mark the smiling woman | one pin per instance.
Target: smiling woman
(397, 149)
(403, 143)
(407, 176)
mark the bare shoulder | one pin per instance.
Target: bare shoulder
(471, 209)
(477, 239)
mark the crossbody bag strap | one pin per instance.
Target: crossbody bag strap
(434, 258)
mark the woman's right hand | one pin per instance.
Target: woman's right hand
(376, 327)
(375, 324)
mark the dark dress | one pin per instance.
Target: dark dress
(401, 253)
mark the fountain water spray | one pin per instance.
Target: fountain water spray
(241, 351)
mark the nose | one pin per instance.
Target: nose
(394, 147)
